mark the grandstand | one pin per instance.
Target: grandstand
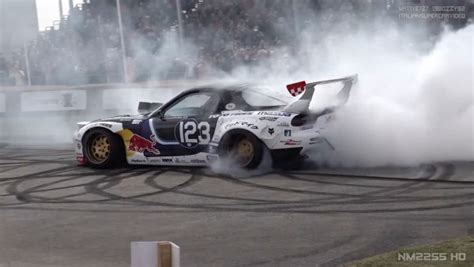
(177, 39)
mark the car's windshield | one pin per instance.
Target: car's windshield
(193, 105)
(262, 99)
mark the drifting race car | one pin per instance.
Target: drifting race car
(203, 125)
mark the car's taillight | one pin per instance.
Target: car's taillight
(299, 120)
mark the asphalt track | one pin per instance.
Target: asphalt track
(54, 213)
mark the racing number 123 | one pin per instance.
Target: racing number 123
(188, 129)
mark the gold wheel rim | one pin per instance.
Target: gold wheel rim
(244, 152)
(99, 148)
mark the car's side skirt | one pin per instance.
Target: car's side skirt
(199, 159)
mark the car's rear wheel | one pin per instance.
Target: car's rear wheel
(244, 149)
(103, 149)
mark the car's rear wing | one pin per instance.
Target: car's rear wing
(302, 104)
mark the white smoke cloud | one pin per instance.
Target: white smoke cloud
(409, 107)
(414, 99)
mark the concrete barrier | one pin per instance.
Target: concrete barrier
(155, 254)
(49, 113)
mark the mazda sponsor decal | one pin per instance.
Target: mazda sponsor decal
(241, 123)
(268, 118)
(236, 113)
(274, 113)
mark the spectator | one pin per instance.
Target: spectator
(86, 48)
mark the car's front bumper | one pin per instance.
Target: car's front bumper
(78, 149)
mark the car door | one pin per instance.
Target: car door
(185, 127)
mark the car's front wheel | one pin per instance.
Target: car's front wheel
(103, 149)
(244, 149)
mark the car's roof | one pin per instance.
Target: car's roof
(224, 87)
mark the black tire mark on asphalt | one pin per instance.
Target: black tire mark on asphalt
(108, 179)
(118, 197)
(107, 182)
(387, 191)
(184, 210)
(152, 183)
(40, 174)
(439, 173)
(280, 189)
(293, 176)
(370, 197)
(24, 195)
(388, 178)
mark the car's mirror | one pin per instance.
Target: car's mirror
(147, 107)
(161, 115)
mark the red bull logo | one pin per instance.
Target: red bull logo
(141, 144)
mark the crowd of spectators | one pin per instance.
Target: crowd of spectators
(85, 46)
(231, 33)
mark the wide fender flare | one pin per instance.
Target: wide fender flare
(251, 125)
(114, 127)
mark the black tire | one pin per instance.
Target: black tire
(96, 155)
(231, 143)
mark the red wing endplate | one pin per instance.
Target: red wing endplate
(296, 88)
(302, 104)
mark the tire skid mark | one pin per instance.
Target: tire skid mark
(255, 200)
(439, 173)
(377, 198)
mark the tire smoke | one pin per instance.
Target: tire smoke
(409, 107)
(413, 102)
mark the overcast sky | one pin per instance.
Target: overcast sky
(48, 11)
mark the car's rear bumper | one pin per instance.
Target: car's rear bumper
(286, 154)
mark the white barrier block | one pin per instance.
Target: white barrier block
(54, 100)
(3, 105)
(154, 254)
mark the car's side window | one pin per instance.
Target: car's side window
(193, 105)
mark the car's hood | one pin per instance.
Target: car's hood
(122, 118)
